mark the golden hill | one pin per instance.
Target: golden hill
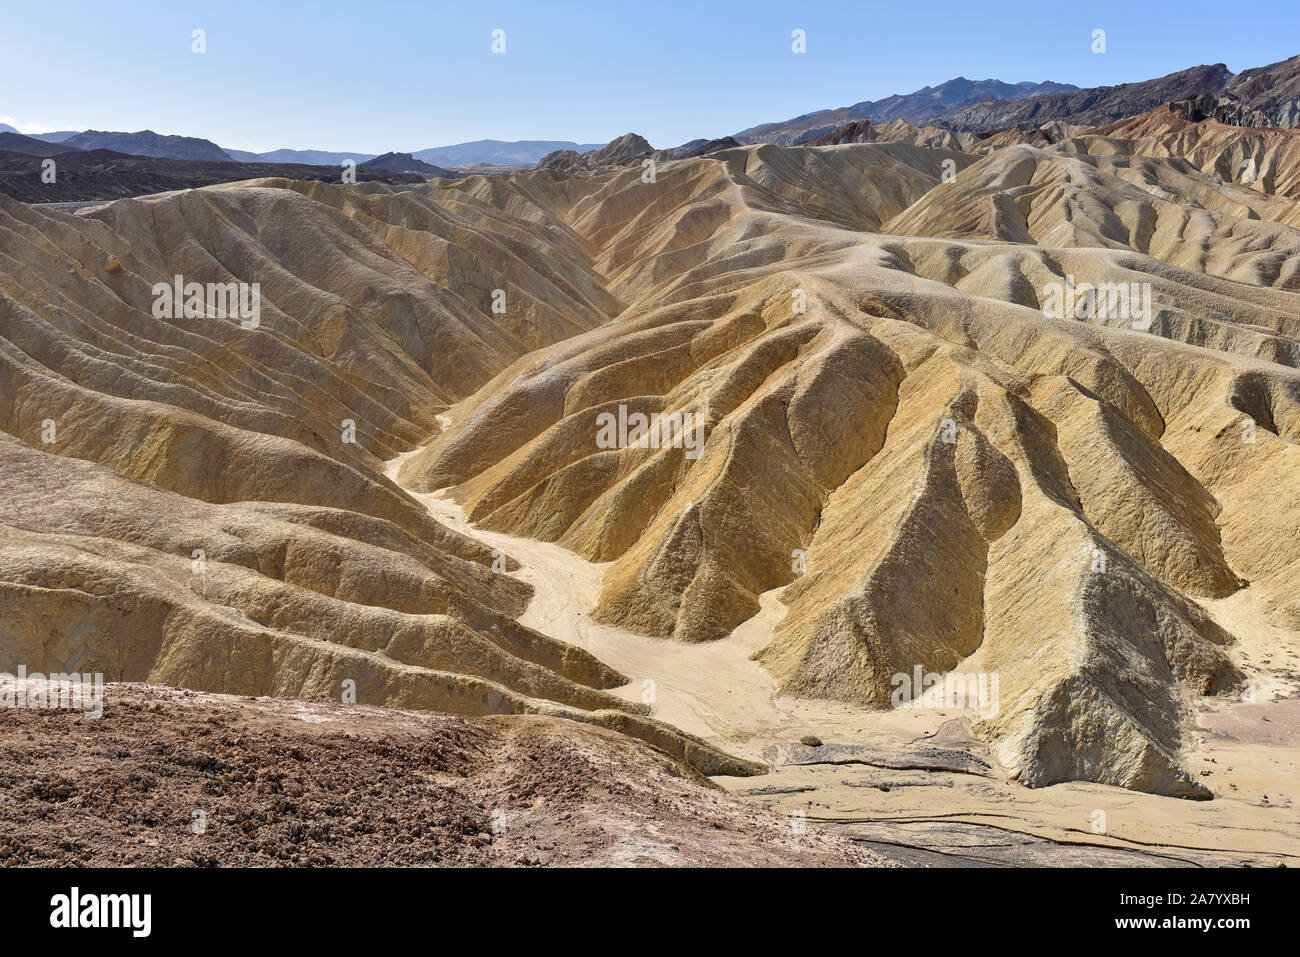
(936, 471)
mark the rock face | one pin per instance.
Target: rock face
(619, 152)
(1268, 96)
(1271, 92)
(704, 149)
(561, 159)
(403, 163)
(882, 409)
(859, 131)
(940, 137)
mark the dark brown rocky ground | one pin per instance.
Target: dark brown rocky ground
(291, 782)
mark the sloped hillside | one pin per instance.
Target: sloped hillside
(936, 466)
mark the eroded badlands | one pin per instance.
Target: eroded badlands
(906, 463)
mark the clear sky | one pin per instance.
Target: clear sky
(410, 74)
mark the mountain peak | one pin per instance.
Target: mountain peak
(149, 143)
(402, 163)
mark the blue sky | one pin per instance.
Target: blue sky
(409, 75)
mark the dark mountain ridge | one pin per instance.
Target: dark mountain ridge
(149, 143)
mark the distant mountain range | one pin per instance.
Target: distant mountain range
(311, 157)
(149, 143)
(56, 137)
(934, 101)
(490, 152)
(500, 152)
(922, 106)
(1093, 107)
(18, 143)
(1264, 96)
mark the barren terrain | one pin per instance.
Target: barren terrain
(169, 777)
(922, 451)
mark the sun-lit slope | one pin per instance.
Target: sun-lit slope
(350, 328)
(1056, 198)
(955, 472)
(933, 471)
(468, 246)
(860, 186)
(183, 500)
(1062, 218)
(102, 574)
(1263, 159)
